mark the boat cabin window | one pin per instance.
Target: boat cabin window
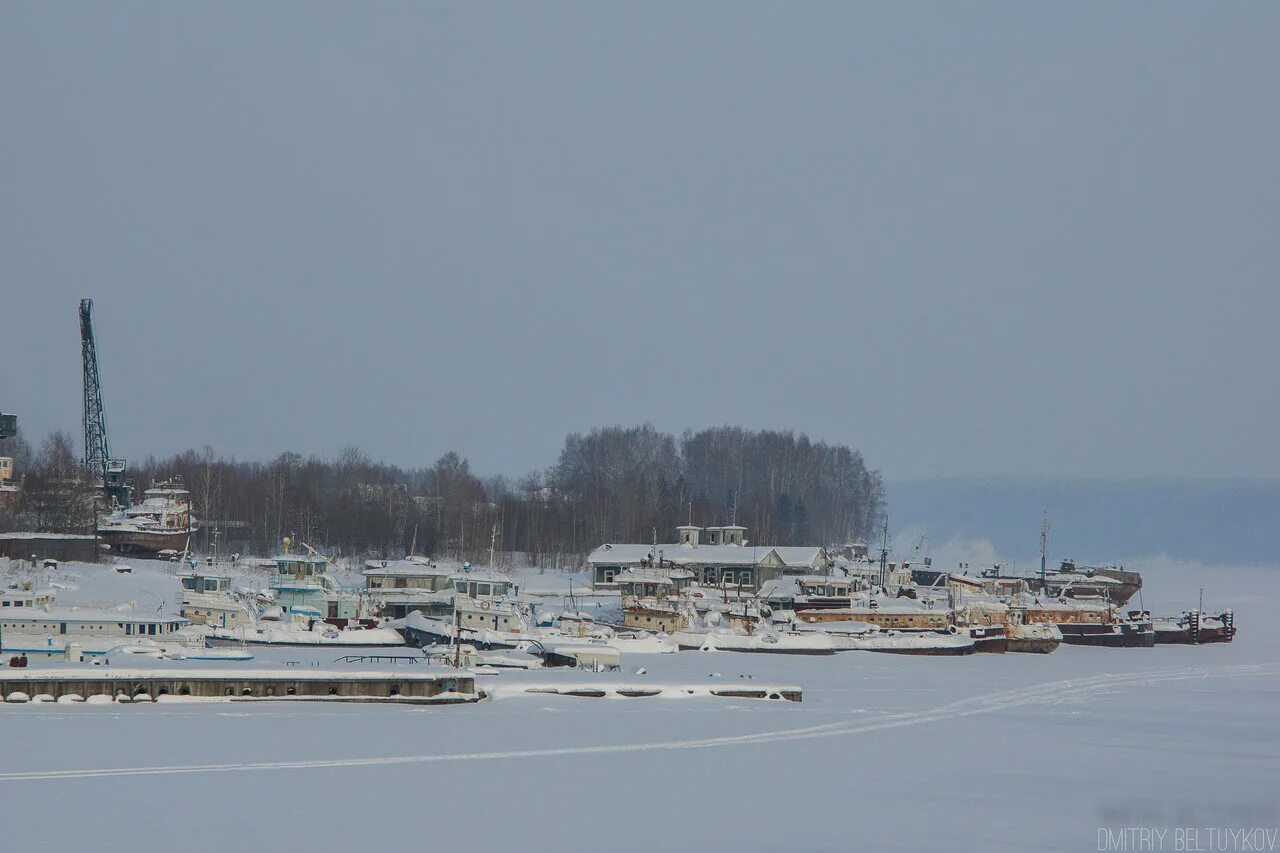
(484, 589)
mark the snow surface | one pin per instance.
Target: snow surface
(984, 752)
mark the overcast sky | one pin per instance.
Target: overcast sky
(1025, 239)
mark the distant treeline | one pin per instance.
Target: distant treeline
(616, 484)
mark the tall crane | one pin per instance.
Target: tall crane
(97, 456)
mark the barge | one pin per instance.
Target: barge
(436, 685)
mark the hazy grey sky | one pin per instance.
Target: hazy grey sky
(1007, 239)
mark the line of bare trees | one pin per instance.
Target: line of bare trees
(615, 484)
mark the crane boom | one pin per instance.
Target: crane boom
(97, 455)
(96, 452)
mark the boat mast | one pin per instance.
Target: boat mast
(1044, 548)
(457, 628)
(884, 552)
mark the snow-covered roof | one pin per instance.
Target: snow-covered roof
(482, 575)
(300, 558)
(406, 568)
(86, 614)
(798, 555)
(680, 555)
(783, 587)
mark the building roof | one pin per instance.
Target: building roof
(680, 555)
(300, 558)
(407, 568)
(87, 614)
(805, 556)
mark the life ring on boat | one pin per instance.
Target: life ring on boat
(486, 605)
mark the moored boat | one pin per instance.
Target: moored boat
(1196, 628)
(1036, 638)
(863, 636)
(762, 641)
(161, 521)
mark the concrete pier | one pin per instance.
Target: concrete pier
(425, 686)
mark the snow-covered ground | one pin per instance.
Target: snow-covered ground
(987, 752)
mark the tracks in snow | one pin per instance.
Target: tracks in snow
(1056, 691)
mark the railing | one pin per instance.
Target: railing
(379, 659)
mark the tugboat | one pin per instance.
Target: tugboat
(161, 522)
(487, 614)
(1089, 623)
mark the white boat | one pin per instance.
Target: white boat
(313, 632)
(31, 623)
(853, 635)
(762, 641)
(643, 643)
(596, 656)
(49, 629)
(176, 651)
(909, 643)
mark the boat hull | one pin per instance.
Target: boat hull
(1195, 632)
(932, 651)
(1034, 647)
(1129, 636)
(1034, 639)
(989, 639)
(759, 651)
(424, 638)
(140, 543)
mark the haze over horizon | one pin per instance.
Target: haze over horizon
(983, 242)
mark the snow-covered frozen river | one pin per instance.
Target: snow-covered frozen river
(987, 752)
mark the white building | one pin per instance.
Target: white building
(716, 556)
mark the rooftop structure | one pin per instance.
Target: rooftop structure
(726, 558)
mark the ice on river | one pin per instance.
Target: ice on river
(987, 752)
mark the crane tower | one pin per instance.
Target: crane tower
(97, 456)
